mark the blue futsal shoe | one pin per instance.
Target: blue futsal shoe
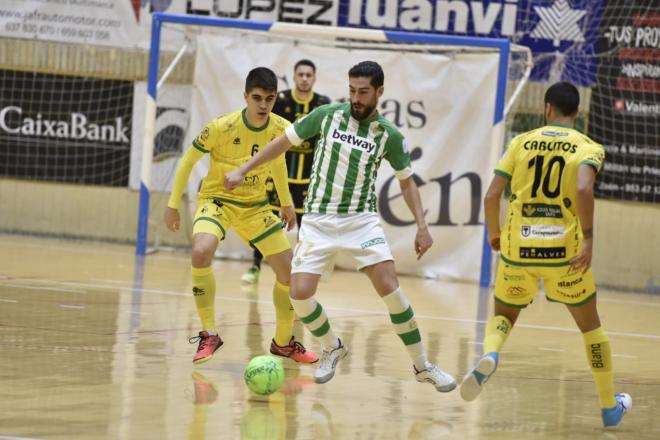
(474, 381)
(612, 416)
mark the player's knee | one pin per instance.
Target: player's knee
(202, 256)
(302, 287)
(283, 276)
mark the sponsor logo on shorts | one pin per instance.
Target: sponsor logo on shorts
(541, 210)
(510, 277)
(372, 242)
(516, 291)
(571, 295)
(542, 231)
(297, 261)
(543, 253)
(197, 291)
(268, 222)
(571, 283)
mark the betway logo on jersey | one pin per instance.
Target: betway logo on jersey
(354, 141)
(77, 127)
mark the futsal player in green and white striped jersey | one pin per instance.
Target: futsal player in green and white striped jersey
(341, 215)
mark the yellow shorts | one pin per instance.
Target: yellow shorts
(255, 224)
(516, 286)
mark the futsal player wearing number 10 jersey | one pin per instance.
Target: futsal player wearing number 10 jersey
(548, 235)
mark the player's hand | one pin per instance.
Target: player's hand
(233, 179)
(288, 216)
(423, 241)
(172, 219)
(494, 241)
(583, 259)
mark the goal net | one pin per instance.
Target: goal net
(447, 94)
(611, 50)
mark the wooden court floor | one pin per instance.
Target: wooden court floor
(94, 345)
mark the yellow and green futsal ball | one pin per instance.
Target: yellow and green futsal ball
(264, 375)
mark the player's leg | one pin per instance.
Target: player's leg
(314, 318)
(383, 278)
(515, 288)
(263, 230)
(284, 344)
(314, 252)
(578, 292)
(252, 274)
(208, 229)
(363, 238)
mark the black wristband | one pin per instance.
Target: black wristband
(588, 233)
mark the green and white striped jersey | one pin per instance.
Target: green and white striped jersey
(347, 158)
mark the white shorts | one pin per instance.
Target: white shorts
(323, 236)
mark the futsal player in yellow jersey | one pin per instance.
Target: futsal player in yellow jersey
(548, 235)
(231, 140)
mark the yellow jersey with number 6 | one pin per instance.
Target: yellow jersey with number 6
(542, 227)
(231, 141)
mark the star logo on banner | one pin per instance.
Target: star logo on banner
(559, 23)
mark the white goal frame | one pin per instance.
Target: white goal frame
(502, 46)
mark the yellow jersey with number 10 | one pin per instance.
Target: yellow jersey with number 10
(542, 227)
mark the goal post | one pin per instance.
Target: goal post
(355, 39)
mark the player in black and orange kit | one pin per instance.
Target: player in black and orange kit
(293, 104)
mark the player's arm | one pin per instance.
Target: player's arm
(396, 153)
(281, 181)
(492, 209)
(295, 134)
(410, 192)
(584, 204)
(172, 218)
(503, 173)
(272, 150)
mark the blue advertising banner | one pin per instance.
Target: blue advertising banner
(546, 26)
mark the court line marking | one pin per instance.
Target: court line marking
(8, 300)
(8, 437)
(128, 289)
(55, 289)
(629, 301)
(71, 306)
(551, 349)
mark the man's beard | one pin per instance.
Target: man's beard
(361, 115)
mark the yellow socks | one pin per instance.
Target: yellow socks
(284, 314)
(599, 356)
(203, 280)
(497, 330)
